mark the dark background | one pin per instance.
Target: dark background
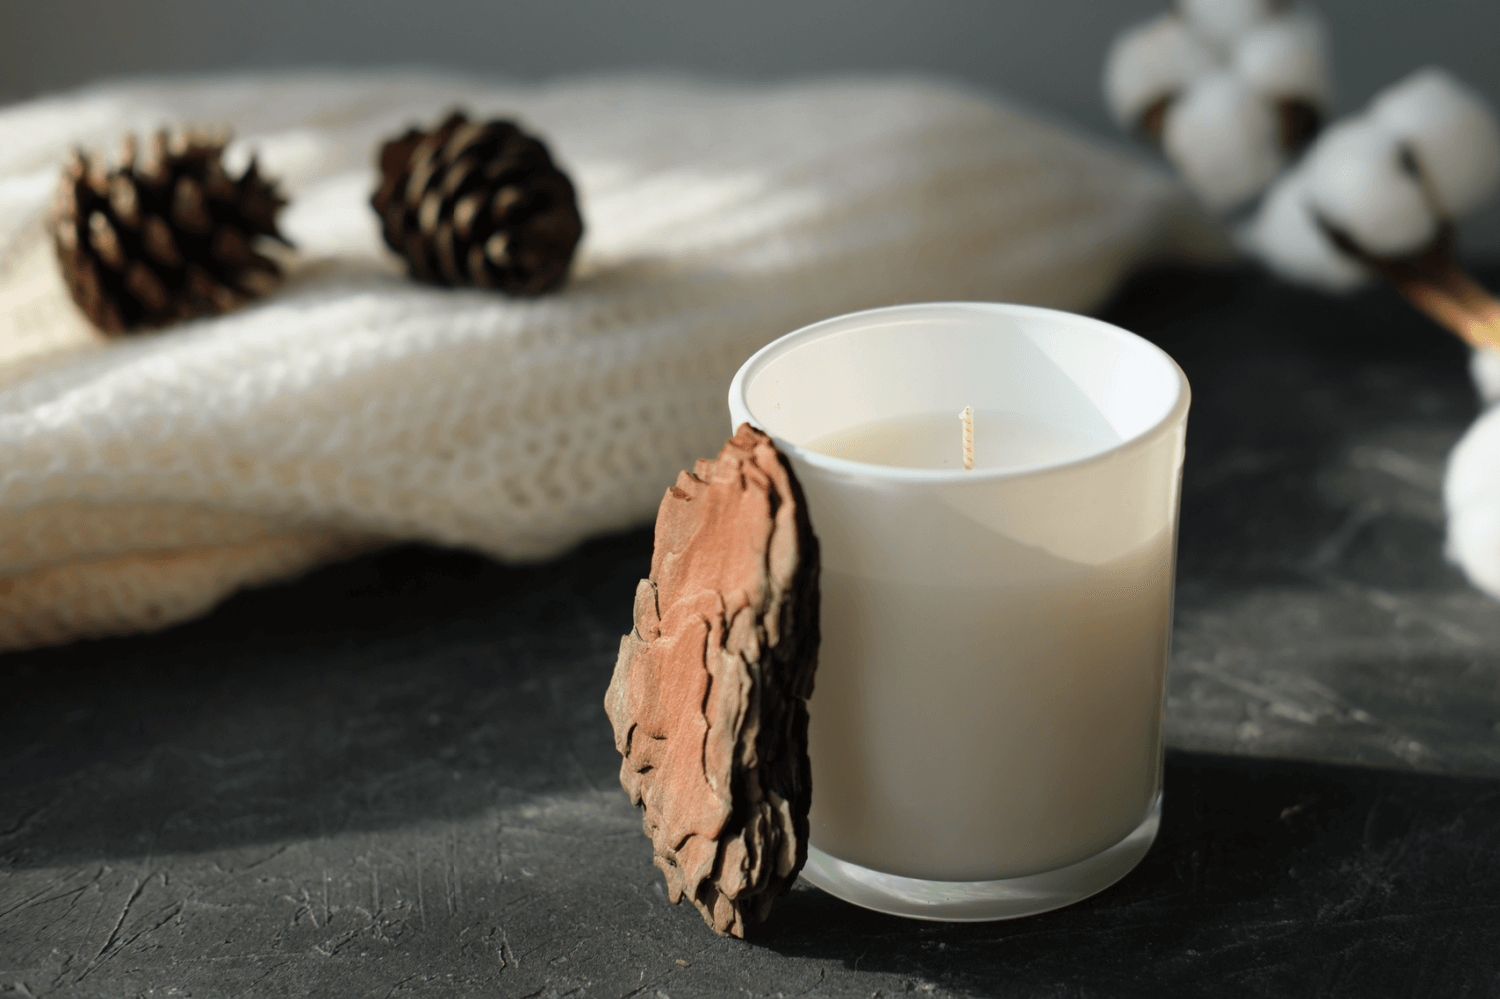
(1047, 54)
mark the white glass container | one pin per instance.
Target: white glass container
(986, 729)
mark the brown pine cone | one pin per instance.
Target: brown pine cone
(709, 695)
(144, 245)
(480, 204)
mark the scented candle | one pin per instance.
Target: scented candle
(985, 732)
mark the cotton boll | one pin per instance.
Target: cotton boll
(1220, 21)
(1451, 131)
(1471, 494)
(1286, 238)
(1484, 368)
(1147, 63)
(1224, 138)
(1285, 57)
(1357, 183)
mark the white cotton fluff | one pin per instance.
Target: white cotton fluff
(1471, 494)
(1356, 182)
(1452, 133)
(1484, 368)
(1221, 21)
(1149, 62)
(1285, 237)
(1224, 139)
(1286, 56)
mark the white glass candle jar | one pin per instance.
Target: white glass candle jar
(986, 729)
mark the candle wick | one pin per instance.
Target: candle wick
(967, 416)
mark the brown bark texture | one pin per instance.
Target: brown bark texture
(709, 695)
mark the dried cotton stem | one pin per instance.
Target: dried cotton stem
(1434, 282)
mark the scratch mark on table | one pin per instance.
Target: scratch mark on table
(135, 893)
(506, 950)
(37, 899)
(421, 901)
(269, 857)
(451, 875)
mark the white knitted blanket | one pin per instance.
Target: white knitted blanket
(144, 478)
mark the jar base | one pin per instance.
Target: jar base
(979, 901)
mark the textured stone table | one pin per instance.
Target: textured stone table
(395, 777)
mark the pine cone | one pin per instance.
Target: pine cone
(146, 245)
(478, 204)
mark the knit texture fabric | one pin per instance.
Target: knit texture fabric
(142, 479)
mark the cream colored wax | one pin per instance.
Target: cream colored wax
(935, 441)
(989, 692)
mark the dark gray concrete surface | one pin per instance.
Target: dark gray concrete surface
(1317, 616)
(395, 777)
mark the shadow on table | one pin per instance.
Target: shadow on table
(1304, 405)
(1269, 877)
(403, 685)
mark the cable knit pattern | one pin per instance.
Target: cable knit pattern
(143, 478)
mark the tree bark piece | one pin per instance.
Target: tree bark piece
(709, 695)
